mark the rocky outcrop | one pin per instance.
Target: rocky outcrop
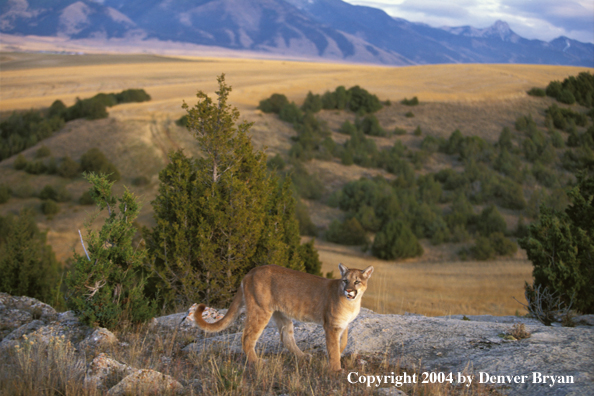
(471, 345)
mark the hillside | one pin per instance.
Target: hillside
(477, 99)
(321, 29)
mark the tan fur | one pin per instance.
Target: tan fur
(283, 294)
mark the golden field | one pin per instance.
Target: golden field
(478, 99)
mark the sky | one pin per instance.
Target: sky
(532, 19)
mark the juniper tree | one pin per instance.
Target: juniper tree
(105, 285)
(561, 248)
(27, 264)
(219, 215)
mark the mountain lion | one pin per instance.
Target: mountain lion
(284, 294)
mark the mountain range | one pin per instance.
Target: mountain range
(326, 29)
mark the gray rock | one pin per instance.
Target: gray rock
(584, 320)
(453, 345)
(104, 372)
(100, 338)
(147, 382)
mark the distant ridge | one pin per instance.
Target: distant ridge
(324, 29)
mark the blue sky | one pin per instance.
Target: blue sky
(532, 19)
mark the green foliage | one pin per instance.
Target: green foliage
(311, 259)
(544, 175)
(86, 198)
(22, 130)
(27, 264)
(505, 139)
(557, 139)
(361, 101)
(562, 117)
(399, 131)
(290, 113)
(370, 126)
(313, 139)
(182, 121)
(49, 207)
(347, 128)
(312, 103)
(538, 92)
(36, 167)
(43, 152)
(20, 162)
(417, 131)
(561, 247)
(410, 102)
(140, 181)
(349, 232)
(68, 168)
(5, 192)
(482, 249)
(56, 109)
(396, 240)
(95, 161)
(336, 100)
(580, 89)
(503, 246)
(490, 221)
(106, 288)
(431, 143)
(307, 186)
(218, 216)
(306, 226)
(91, 109)
(409, 114)
(276, 163)
(274, 104)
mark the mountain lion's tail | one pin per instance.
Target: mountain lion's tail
(229, 317)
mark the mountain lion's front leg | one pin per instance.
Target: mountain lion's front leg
(343, 339)
(333, 347)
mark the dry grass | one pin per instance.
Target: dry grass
(435, 288)
(35, 368)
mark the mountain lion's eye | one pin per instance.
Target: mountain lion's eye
(345, 281)
(357, 282)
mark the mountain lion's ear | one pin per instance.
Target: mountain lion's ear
(343, 269)
(367, 272)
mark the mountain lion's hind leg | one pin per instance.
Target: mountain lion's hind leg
(287, 333)
(343, 339)
(255, 321)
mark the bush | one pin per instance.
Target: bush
(311, 259)
(86, 199)
(490, 221)
(182, 121)
(105, 287)
(140, 181)
(409, 114)
(396, 240)
(274, 104)
(27, 264)
(361, 101)
(503, 246)
(68, 168)
(308, 186)
(49, 207)
(312, 103)
(410, 102)
(48, 192)
(482, 249)
(370, 126)
(399, 131)
(347, 128)
(557, 139)
(36, 168)
(561, 245)
(91, 109)
(349, 232)
(418, 131)
(43, 152)
(306, 226)
(566, 97)
(290, 113)
(57, 109)
(20, 162)
(539, 92)
(5, 193)
(132, 95)
(95, 161)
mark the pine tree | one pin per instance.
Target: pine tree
(27, 264)
(105, 286)
(220, 215)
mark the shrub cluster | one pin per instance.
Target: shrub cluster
(578, 89)
(410, 102)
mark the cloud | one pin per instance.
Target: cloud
(532, 19)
